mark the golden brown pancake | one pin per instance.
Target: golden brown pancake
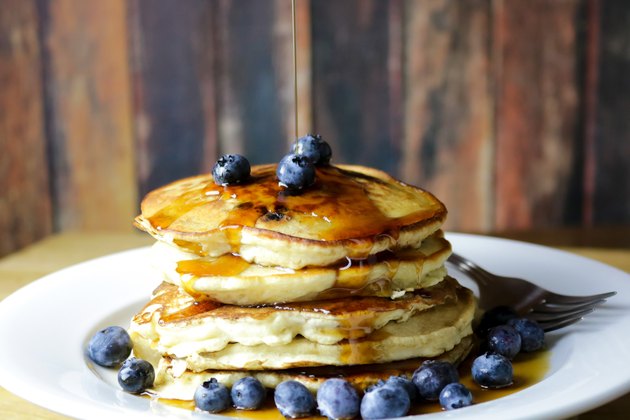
(426, 333)
(350, 211)
(231, 279)
(171, 383)
(175, 324)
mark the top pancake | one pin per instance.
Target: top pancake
(350, 211)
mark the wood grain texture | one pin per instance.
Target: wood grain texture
(537, 98)
(13, 407)
(449, 108)
(590, 69)
(89, 113)
(513, 112)
(251, 112)
(174, 89)
(611, 200)
(351, 99)
(25, 205)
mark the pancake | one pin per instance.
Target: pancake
(350, 212)
(230, 279)
(428, 333)
(175, 324)
(172, 383)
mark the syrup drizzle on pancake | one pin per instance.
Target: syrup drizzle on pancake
(356, 316)
(338, 204)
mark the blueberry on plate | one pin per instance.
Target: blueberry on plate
(499, 315)
(136, 375)
(314, 148)
(504, 340)
(212, 396)
(293, 399)
(491, 370)
(532, 334)
(231, 169)
(385, 402)
(405, 384)
(248, 393)
(432, 376)
(295, 172)
(338, 399)
(455, 395)
(109, 347)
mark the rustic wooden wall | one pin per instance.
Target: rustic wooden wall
(514, 112)
(25, 198)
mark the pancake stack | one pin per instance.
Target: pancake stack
(346, 278)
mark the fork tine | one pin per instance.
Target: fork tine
(556, 325)
(557, 317)
(549, 308)
(563, 299)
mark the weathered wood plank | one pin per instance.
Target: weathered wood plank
(449, 108)
(25, 205)
(590, 15)
(350, 81)
(537, 99)
(174, 89)
(89, 113)
(611, 199)
(249, 107)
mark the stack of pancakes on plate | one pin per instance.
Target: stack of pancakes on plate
(345, 278)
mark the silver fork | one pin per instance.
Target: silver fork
(552, 311)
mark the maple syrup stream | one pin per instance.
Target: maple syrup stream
(295, 85)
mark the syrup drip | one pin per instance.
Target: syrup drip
(173, 309)
(295, 83)
(225, 265)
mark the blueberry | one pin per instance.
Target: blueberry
(385, 402)
(337, 399)
(136, 375)
(492, 370)
(314, 148)
(110, 346)
(296, 172)
(532, 334)
(454, 396)
(405, 384)
(231, 169)
(248, 393)
(432, 376)
(212, 396)
(504, 340)
(499, 315)
(293, 399)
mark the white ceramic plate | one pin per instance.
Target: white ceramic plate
(44, 328)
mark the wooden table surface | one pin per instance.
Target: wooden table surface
(59, 251)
